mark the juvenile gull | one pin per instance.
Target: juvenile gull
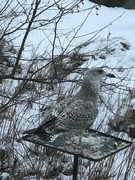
(75, 113)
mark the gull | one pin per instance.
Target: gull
(76, 113)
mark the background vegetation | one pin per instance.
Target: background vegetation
(33, 77)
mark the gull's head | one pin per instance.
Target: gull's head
(98, 73)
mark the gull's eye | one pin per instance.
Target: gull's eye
(100, 71)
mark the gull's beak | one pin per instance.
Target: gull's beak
(110, 75)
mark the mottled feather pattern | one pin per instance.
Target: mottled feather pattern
(78, 112)
(79, 115)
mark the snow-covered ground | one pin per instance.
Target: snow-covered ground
(111, 32)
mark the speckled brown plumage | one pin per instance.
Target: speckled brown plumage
(78, 112)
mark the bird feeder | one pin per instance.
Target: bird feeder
(94, 146)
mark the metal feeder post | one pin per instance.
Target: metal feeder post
(75, 167)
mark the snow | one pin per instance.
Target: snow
(117, 21)
(105, 27)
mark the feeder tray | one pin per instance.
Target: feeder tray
(94, 145)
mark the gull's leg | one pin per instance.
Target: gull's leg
(64, 141)
(80, 141)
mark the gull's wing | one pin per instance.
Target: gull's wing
(78, 115)
(51, 117)
(69, 114)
